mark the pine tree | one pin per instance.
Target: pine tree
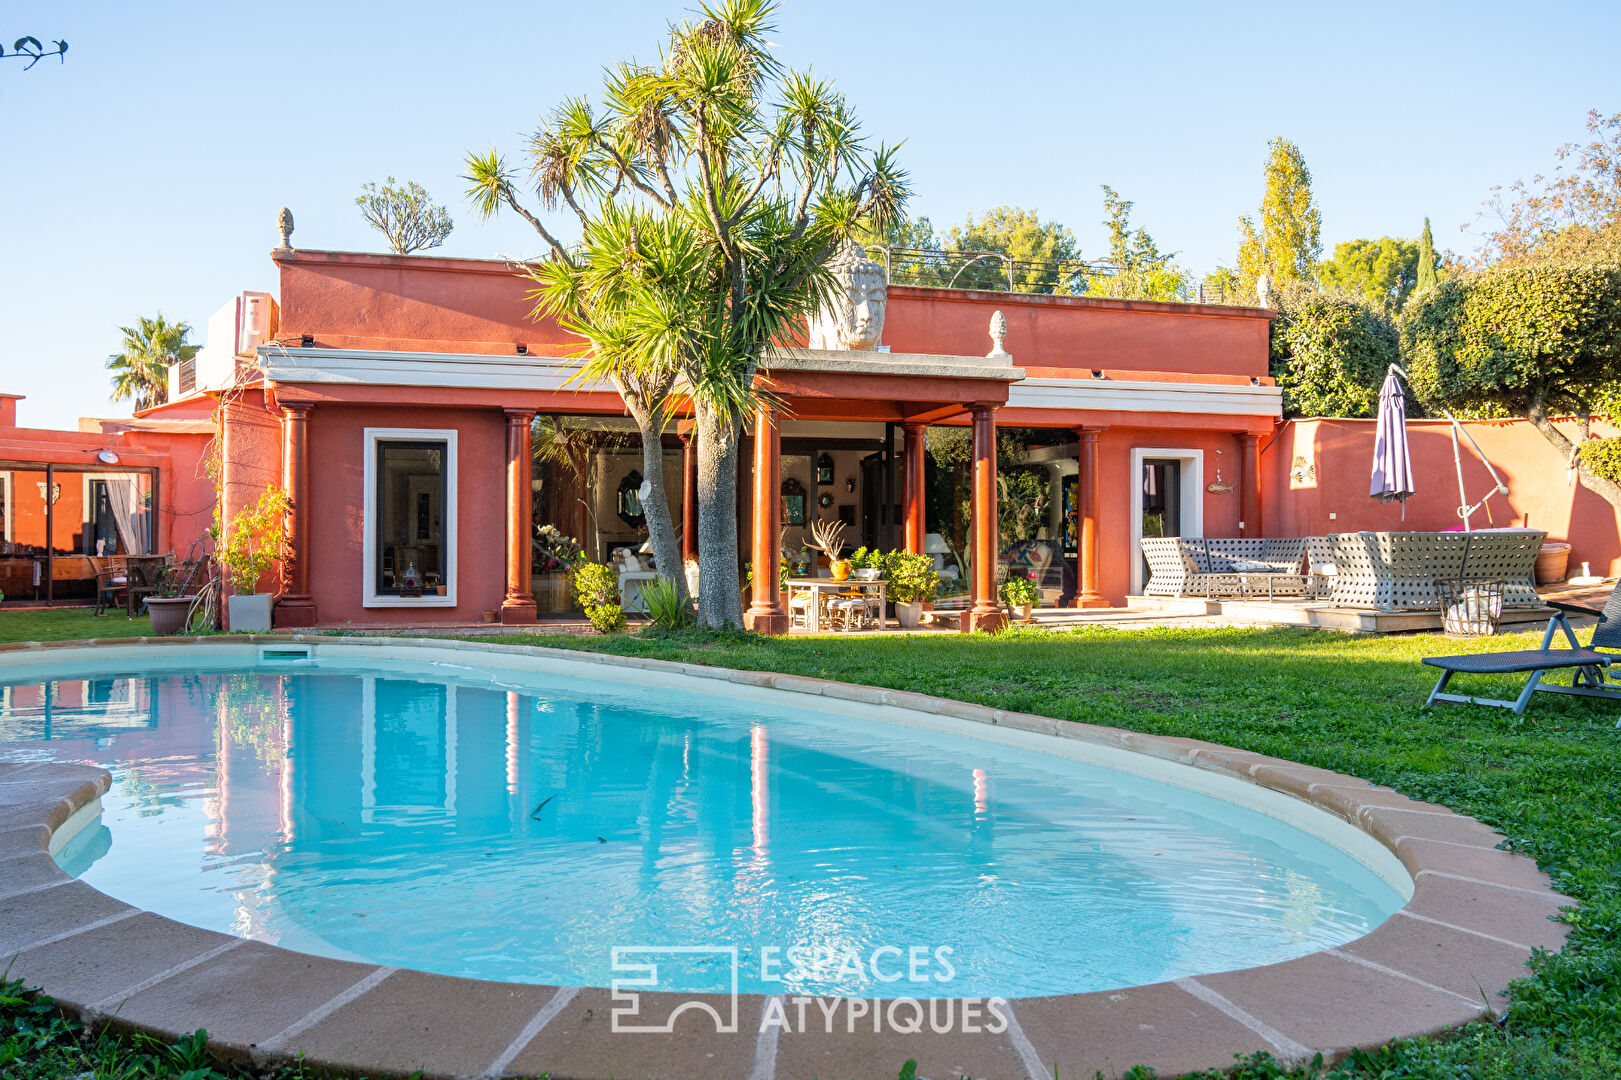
(1426, 259)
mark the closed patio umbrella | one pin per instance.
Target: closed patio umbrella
(1392, 467)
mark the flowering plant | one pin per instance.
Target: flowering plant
(554, 551)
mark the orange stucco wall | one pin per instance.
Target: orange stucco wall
(1115, 482)
(1337, 456)
(337, 498)
(410, 303)
(1063, 334)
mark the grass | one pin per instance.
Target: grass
(1551, 781)
(68, 624)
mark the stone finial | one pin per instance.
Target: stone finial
(284, 222)
(1263, 291)
(852, 314)
(998, 335)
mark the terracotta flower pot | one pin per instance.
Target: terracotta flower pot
(168, 613)
(1552, 561)
(840, 569)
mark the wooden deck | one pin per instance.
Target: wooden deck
(1319, 614)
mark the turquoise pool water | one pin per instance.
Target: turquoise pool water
(464, 823)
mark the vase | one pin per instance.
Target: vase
(908, 613)
(169, 613)
(840, 568)
(1020, 612)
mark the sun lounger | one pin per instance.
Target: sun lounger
(1589, 666)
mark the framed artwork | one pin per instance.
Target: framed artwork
(1072, 514)
(793, 502)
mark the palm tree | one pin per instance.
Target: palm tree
(141, 369)
(711, 189)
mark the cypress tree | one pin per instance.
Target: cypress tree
(1426, 259)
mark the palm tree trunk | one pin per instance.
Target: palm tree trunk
(660, 524)
(720, 594)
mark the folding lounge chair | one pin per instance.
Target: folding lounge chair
(1589, 665)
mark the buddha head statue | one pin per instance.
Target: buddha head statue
(852, 315)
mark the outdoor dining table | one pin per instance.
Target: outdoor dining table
(848, 587)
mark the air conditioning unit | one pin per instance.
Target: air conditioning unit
(255, 323)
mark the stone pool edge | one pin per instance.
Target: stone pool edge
(1475, 915)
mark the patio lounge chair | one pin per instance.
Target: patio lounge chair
(1589, 665)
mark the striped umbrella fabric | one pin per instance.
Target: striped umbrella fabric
(1392, 466)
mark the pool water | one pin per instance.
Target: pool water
(525, 829)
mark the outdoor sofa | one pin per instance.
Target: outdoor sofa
(1385, 571)
(1397, 571)
(1225, 566)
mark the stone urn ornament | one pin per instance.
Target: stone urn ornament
(284, 225)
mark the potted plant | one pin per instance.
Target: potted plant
(245, 548)
(826, 536)
(913, 583)
(170, 606)
(1020, 595)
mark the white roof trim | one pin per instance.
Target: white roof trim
(1131, 396)
(387, 367)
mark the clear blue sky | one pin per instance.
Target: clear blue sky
(145, 172)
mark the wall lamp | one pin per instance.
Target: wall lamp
(523, 350)
(1097, 374)
(307, 341)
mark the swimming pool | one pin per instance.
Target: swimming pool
(523, 826)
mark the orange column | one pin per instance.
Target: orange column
(519, 605)
(1086, 574)
(1249, 483)
(765, 614)
(985, 613)
(294, 607)
(914, 487)
(689, 499)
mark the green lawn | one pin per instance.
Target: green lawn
(68, 624)
(1551, 780)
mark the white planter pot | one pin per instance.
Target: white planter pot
(1021, 612)
(908, 613)
(249, 614)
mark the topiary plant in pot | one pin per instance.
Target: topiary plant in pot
(913, 582)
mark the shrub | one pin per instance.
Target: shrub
(865, 558)
(596, 589)
(666, 605)
(912, 578)
(252, 541)
(1603, 456)
(1020, 590)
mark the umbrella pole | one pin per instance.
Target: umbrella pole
(1464, 508)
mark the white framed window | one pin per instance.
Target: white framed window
(8, 509)
(410, 509)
